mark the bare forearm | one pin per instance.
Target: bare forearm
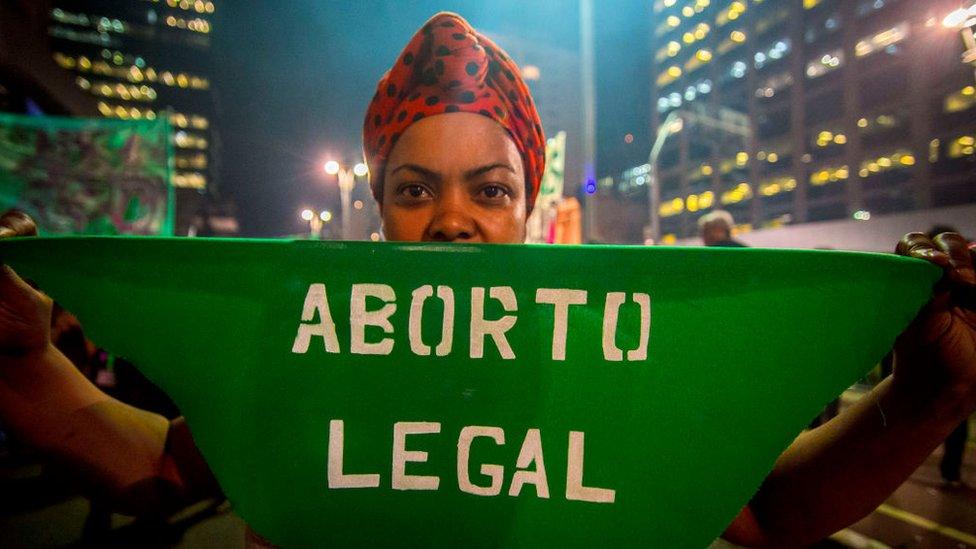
(832, 476)
(117, 449)
(46, 383)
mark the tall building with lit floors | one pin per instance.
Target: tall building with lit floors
(796, 111)
(141, 59)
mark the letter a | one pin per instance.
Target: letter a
(531, 451)
(315, 300)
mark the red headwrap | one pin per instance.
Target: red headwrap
(449, 67)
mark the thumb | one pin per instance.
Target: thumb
(17, 223)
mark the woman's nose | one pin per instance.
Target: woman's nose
(453, 219)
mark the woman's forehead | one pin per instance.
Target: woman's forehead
(455, 140)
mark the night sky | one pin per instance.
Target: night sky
(293, 84)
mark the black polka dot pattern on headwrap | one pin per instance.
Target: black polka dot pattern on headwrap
(449, 67)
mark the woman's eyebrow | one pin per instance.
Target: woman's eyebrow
(430, 174)
(471, 174)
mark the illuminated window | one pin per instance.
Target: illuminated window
(777, 185)
(899, 159)
(195, 24)
(774, 84)
(123, 67)
(736, 38)
(701, 201)
(125, 112)
(739, 193)
(961, 100)
(672, 207)
(738, 69)
(670, 49)
(778, 50)
(671, 74)
(826, 138)
(186, 140)
(731, 13)
(829, 175)
(189, 180)
(125, 92)
(196, 161)
(774, 155)
(882, 40)
(962, 147)
(826, 63)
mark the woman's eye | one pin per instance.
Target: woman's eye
(414, 191)
(494, 191)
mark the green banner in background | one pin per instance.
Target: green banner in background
(360, 394)
(88, 176)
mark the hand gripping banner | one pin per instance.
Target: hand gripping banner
(381, 394)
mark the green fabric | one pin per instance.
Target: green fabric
(745, 347)
(88, 176)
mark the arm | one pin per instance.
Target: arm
(834, 475)
(137, 460)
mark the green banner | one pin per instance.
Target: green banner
(88, 176)
(381, 394)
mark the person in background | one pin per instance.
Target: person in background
(715, 229)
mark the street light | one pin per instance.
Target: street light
(315, 222)
(725, 121)
(347, 181)
(960, 18)
(964, 19)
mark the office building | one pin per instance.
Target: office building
(853, 108)
(140, 59)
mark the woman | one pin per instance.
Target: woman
(455, 147)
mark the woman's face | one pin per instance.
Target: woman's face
(454, 177)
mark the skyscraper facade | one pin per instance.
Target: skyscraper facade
(133, 60)
(852, 108)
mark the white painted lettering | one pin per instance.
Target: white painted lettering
(480, 327)
(338, 479)
(561, 300)
(420, 295)
(401, 456)
(359, 318)
(610, 313)
(640, 353)
(531, 452)
(316, 301)
(495, 472)
(574, 475)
